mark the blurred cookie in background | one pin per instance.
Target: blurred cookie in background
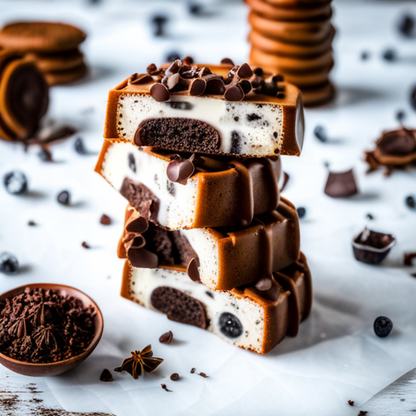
(53, 47)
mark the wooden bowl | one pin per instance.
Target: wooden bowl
(59, 367)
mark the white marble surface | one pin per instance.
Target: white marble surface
(336, 356)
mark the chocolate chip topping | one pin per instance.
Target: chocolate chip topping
(140, 257)
(195, 80)
(192, 270)
(179, 306)
(179, 170)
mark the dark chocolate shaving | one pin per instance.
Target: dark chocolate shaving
(137, 79)
(180, 170)
(341, 185)
(192, 270)
(140, 257)
(159, 92)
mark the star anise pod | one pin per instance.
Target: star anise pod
(140, 361)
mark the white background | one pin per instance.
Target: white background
(336, 356)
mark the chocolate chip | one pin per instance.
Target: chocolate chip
(80, 147)
(159, 22)
(166, 338)
(159, 92)
(406, 25)
(227, 61)
(245, 86)
(320, 134)
(263, 284)
(15, 182)
(351, 402)
(258, 71)
(234, 93)
(85, 244)
(341, 185)
(410, 201)
(193, 370)
(192, 270)
(105, 220)
(244, 71)
(172, 56)
(369, 216)
(45, 154)
(202, 375)
(180, 170)
(197, 87)
(106, 376)
(301, 212)
(8, 264)
(214, 85)
(131, 162)
(31, 223)
(389, 55)
(174, 377)
(64, 198)
(173, 67)
(188, 60)
(383, 326)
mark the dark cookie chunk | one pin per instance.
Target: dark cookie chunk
(141, 198)
(158, 242)
(182, 134)
(185, 252)
(178, 306)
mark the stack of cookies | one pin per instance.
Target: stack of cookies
(294, 38)
(207, 238)
(53, 47)
(24, 96)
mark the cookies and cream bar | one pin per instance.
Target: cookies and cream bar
(220, 258)
(191, 191)
(255, 317)
(211, 109)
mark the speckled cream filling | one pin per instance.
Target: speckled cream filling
(257, 137)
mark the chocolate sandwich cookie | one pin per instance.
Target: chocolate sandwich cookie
(24, 97)
(40, 37)
(286, 63)
(61, 61)
(182, 190)
(299, 51)
(295, 13)
(65, 77)
(219, 258)
(222, 110)
(394, 149)
(311, 32)
(255, 317)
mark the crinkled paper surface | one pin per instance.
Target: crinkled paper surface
(336, 356)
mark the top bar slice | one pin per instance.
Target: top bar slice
(216, 109)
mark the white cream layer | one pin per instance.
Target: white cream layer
(250, 314)
(257, 137)
(177, 202)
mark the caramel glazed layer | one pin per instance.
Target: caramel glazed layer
(220, 82)
(255, 187)
(242, 255)
(285, 298)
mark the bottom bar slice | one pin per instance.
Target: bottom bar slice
(255, 317)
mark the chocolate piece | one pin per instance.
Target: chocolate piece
(166, 338)
(31, 223)
(320, 134)
(139, 257)
(270, 318)
(389, 55)
(408, 258)
(106, 376)
(8, 264)
(203, 375)
(64, 198)
(105, 220)
(193, 370)
(282, 124)
(383, 326)
(227, 61)
(137, 79)
(351, 402)
(396, 148)
(221, 191)
(174, 377)
(178, 306)
(85, 244)
(180, 170)
(15, 182)
(301, 212)
(410, 201)
(139, 362)
(372, 247)
(165, 388)
(240, 256)
(341, 185)
(80, 147)
(182, 134)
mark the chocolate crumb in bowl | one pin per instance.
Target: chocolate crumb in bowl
(372, 247)
(106, 376)
(383, 326)
(340, 185)
(139, 362)
(105, 220)
(166, 338)
(15, 182)
(174, 377)
(47, 329)
(64, 198)
(8, 264)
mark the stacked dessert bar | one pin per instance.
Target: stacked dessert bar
(208, 240)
